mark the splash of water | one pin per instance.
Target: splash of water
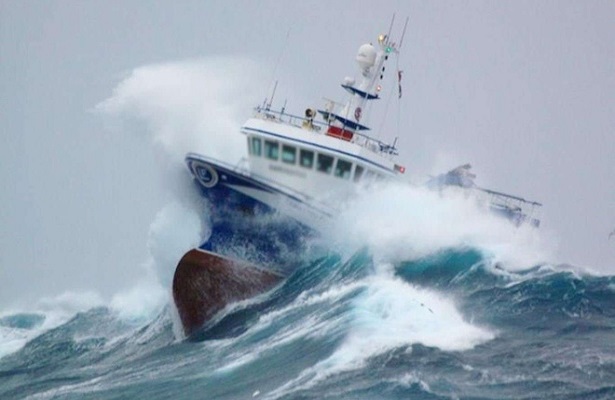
(177, 107)
(188, 106)
(401, 222)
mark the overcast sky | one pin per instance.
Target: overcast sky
(523, 90)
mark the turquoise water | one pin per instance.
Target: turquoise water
(453, 324)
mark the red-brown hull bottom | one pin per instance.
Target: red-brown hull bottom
(205, 283)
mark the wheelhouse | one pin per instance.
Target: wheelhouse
(304, 157)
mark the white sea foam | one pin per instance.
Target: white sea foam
(55, 310)
(140, 303)
(175, 230)
(302, 323)
(402, 222)
(12, 339)
(392, 314)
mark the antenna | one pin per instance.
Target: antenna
(272, 94)
(277, 63)
(284, 107)
(403, 33)
(399, 72)
(275, 68)
(391, 26)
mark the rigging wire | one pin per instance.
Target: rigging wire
(273, 82)
(399, 76)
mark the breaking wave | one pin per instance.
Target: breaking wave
(413, 295)
(452, 324)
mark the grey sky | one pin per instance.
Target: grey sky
(523, 90)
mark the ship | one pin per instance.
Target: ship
(298, 171)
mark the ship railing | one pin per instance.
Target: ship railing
(508, 199)
(290, 119)
(525, 209)
(375, 145)
(365, 141)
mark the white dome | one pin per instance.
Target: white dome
(366, 56)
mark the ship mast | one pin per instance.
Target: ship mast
(371, 60)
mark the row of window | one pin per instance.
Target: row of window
(306, 158)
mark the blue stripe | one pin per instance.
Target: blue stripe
(319, 146)
(245, 181)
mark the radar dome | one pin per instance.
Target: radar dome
(366, 56)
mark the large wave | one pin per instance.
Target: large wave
(412, 294)
(451, 324)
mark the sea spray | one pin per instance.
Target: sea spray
(184, 106)
(18, 326)
(177, 107)
(175, 230)
(398, 222)
(189, 106)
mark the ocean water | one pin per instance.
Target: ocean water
(452, 324)
(411, 297)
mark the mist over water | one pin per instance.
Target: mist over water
(417, 295)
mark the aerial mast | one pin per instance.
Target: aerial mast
(371, 60)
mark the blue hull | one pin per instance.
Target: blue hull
(243, 226)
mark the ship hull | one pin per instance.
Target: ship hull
(205, 283)
(256, 231)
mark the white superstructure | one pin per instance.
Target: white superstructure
(324, 159)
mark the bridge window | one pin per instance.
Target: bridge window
(256, 146)
(289, 154)
(271, 150)
(358, 172)
(342, 169)
(306, 158)
(324, 163)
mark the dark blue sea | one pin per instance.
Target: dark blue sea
(452, 324)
